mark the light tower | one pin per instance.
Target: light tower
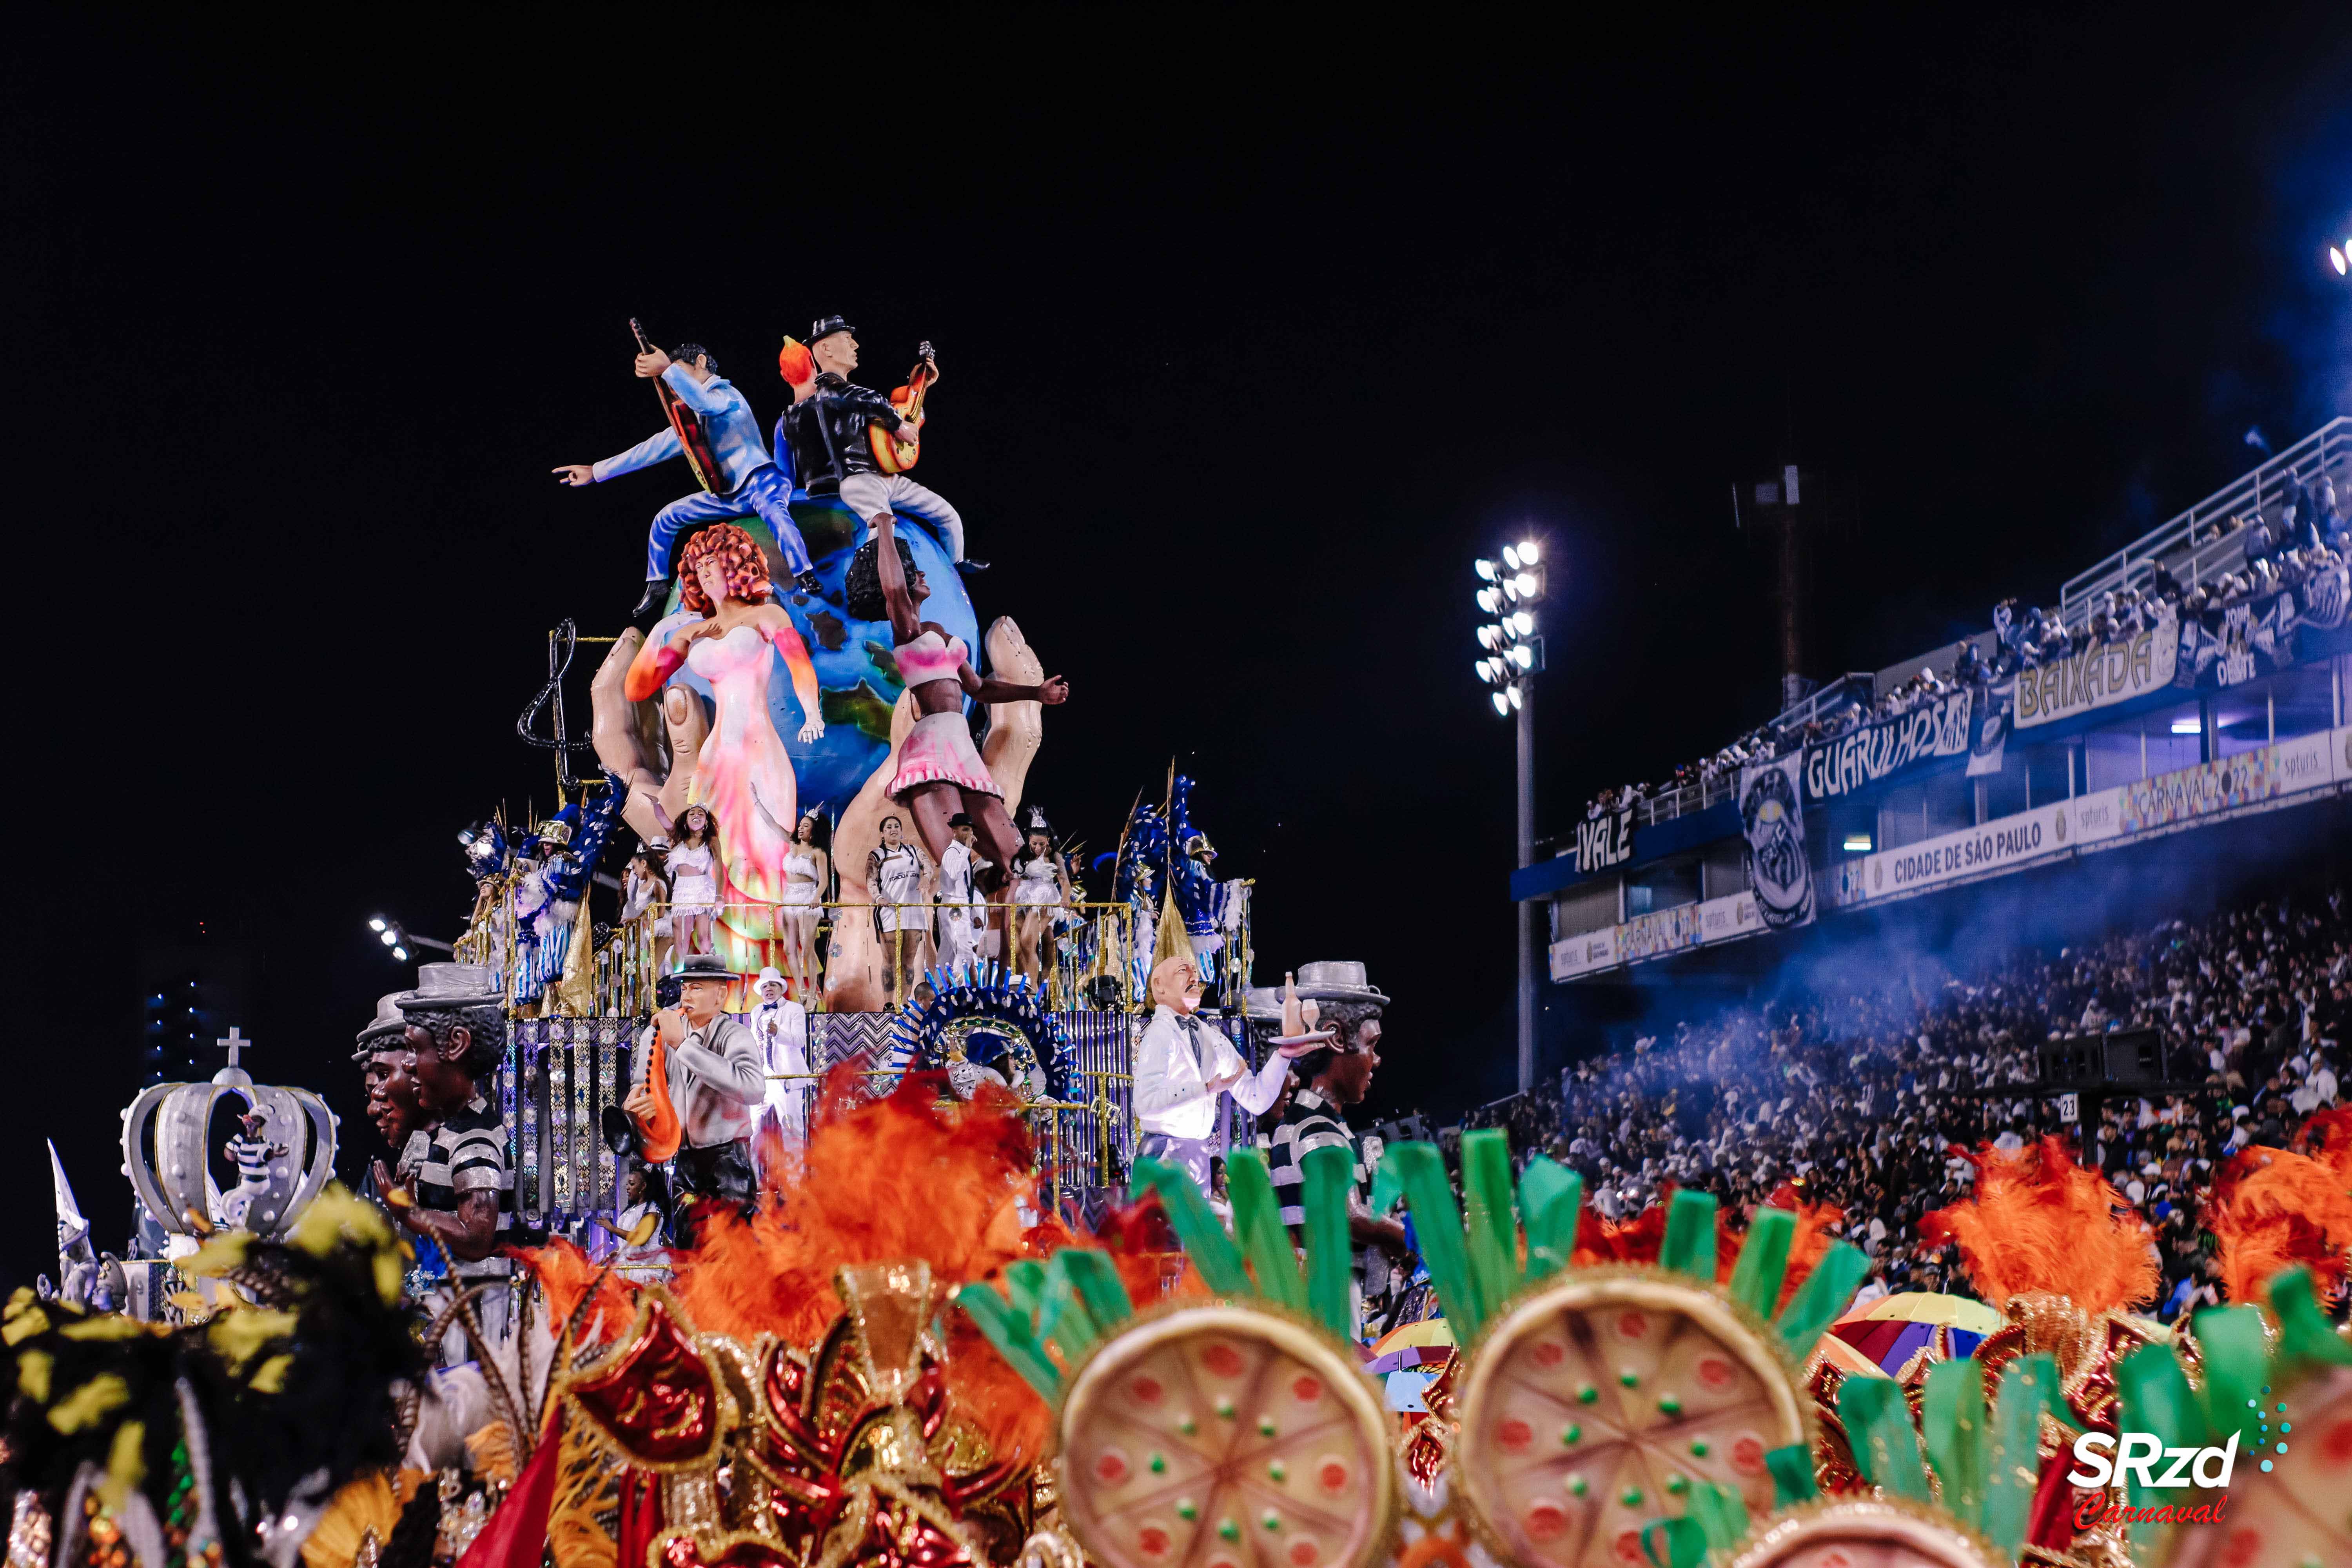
(1512, 657)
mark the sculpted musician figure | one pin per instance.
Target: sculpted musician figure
(726, 437)
(1182, 1065)
(851, 440)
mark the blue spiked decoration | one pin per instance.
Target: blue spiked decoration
(983, 1015)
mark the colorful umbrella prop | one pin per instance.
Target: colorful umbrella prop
(1893, 1330)
(1409, 1345)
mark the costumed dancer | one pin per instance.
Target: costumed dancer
(897, 878)
(808, 871)
(754, 485)
(1182, 1065)
(644, 892)
(1041, 887)
(964, 913)
(826, 432)
(645, 1262)
(780, 1025)
(693, 866)
(940, 771)
(451, 1184)
(713, 1085)
(731, 635)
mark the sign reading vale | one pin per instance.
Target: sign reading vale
(1604, 841)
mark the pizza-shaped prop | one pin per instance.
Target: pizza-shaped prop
(1863, 1532)
(1595, 1405)
(1233, 1432)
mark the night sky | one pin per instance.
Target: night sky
(1255, 332)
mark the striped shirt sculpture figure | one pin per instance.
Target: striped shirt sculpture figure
(452, 1187)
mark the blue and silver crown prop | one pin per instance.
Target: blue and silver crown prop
(982, 1015)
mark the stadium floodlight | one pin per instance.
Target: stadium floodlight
(1509, 674)
(387, 937)
(2337, 257)
(376, 923)
(401, 954)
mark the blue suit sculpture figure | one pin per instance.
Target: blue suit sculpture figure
(755, 485)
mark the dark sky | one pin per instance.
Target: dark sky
(1257, 330)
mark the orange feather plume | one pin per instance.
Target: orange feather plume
(2328, 1135)
(904, 1177)
(1816, 1228)
(568, 1274)
(2274, 1210)
(2040, 1221)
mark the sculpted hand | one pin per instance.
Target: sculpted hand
(812, 730)
(651, 362)
(640, 1104)
(1054, 692)
(575, 474)
(669, 1026)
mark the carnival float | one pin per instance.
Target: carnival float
(643, 1283)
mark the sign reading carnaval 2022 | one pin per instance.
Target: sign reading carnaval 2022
(1877, 751)
(2099, 676)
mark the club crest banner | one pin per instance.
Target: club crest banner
(1877, 751)
(1991, 719)
(1772, 818)
(2235, 643)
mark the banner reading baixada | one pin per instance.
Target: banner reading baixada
(1772, 817)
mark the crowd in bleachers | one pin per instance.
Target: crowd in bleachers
(2307, 531)
(1863, 1098)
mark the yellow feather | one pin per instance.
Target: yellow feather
(33, 1368)
(87, 1404)
(126, 1466)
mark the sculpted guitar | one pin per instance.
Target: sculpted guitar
(892, 454)
(688, 423)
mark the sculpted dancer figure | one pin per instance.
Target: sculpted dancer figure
(939, 773)
(826, 430)
(755, 485)
(732, 638)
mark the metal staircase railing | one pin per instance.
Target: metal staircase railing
(2199, 544)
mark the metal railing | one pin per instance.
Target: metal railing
(1093, 954)
(2200, 544)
